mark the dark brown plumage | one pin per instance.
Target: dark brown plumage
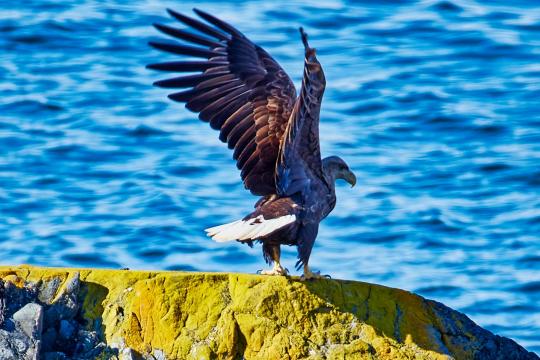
(243, 92)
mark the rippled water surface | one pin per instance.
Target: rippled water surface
(435, 105)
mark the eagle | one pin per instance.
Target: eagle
(240, 90)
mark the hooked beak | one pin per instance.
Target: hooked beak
(350, 178)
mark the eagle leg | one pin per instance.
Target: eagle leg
(310, 275)
(273, 252)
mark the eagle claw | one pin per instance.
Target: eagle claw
(308, 276)
(276, 270)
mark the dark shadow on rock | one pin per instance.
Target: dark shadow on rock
(240, 344)
(91, 296)
(456, 331)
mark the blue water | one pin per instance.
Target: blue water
(434, 104)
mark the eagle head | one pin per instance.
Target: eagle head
(336, 168)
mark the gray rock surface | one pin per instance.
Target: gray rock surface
(159, 355)
(38, 323)
(17, 346)
(2, 302)
(30, 319)
(48, 290)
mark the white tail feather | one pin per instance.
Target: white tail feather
(250, 229)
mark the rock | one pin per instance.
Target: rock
(7, 351)
(89, 346)
(17, 294)
(159, 355)
(54, 355)
(14, 279)
(127, 354)
(48, 339)
(66, 330)
(48, 290)
(66, 304)
(24, 334)
(73, 284)
(87, 341)
(30, 320)
(2, 303)
(176, 315)
(17, 346)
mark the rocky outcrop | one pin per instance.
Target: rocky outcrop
(38, 320)
(82, 313)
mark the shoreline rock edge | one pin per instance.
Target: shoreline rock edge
(124, 314)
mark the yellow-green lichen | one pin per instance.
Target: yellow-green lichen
(235, 316)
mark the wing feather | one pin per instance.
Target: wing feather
(300, 163)
(196, 24)
(238, 130)
(184, 35)
(185, 50)
(249, 164)
(238, 88)
(187, 81)
(203, 98)
(180, 66)
(182, 96)
(217, 22)
(245, 145)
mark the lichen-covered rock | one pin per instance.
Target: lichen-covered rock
(172, 315)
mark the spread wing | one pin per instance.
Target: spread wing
(299, 162)
(299, 167)
(237, 87)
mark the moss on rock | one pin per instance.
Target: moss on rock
(235, 316)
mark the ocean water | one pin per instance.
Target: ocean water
(434, 104)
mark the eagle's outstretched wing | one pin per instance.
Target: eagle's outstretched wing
(299, 167)
(299, 162)
(238, 88)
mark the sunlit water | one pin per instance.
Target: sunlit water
(435, 105)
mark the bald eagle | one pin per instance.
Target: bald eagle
(242, 91)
